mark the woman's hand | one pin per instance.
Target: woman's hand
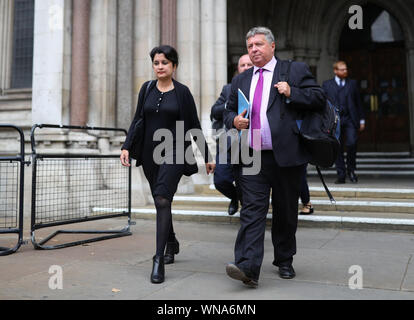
(210, 167)
(125, 158)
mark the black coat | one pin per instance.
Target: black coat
(217, 109)
(306, 95)
(355, 108)
(188, 114)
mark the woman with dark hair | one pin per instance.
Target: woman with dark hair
(164, 104)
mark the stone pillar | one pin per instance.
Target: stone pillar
(126, 100)
(189, 70)
(208, 62)
(80, 63)
(147, 36)
(188, 46)
(6, 25)
(102, 63)
(52, 61)
(221, 45)
(169, 22)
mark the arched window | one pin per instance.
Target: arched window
(386, 29)
(22, 58)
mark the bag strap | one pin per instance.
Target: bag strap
(284, 73)
(145, 97)
(325, 186)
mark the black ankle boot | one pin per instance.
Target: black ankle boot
(158, 270)
(172, 249)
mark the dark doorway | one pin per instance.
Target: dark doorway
(376, 57)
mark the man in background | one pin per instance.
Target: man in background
(344, 93)
(226, 176)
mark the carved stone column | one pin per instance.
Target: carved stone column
(80, 63)
(169, 22)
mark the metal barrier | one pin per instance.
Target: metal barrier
(74, 188)
(11, 193)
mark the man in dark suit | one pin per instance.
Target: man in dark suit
(344, 93)
(226, 174)
(274, 109)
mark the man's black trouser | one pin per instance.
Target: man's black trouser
(285, 185)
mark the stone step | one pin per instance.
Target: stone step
(387, 166)
(332, 219)
(332, 172)
(343, 192)
(386, 160)
(342, 204)
(383, 154)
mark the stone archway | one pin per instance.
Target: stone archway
(330, 39)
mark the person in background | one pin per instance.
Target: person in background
(344, 93)
(307, 207)
(226, 174)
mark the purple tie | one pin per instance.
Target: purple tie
(255, 117)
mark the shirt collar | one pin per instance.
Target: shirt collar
(270, 66)
(338, 80)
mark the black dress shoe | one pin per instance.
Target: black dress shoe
(233, 207)
(158, 270)
(340, 180)
(236, 273)
(287, 272)
(353, 177)
(172, 249)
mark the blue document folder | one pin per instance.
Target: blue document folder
(243, 104)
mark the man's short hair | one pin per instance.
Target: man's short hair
(261, 30)
(338, 63)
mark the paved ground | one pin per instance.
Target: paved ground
(120, 268)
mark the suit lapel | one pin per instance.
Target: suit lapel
(273, 91)
(247, 82)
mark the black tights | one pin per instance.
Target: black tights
(165, 230)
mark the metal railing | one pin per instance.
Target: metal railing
(73, 188)
(12, 192)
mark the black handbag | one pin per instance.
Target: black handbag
(135, 151)
(137, 145)
(319, 133)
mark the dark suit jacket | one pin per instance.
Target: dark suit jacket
(355, 108)
(188, 114)
(217, 109)
(306, 95)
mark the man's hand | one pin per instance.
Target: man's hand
(210, 168)
(240, 122)
(284, 89)
(362, 127)
(125, 158)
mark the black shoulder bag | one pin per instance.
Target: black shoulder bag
(135, 151)
(319, 132)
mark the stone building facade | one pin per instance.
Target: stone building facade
(90, 57)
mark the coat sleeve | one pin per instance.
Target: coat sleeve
(130, 135)
(217, 109)
(231, 110)
(194, 123)
(306, 94)
(358, 101)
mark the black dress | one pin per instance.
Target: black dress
(161, 111)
